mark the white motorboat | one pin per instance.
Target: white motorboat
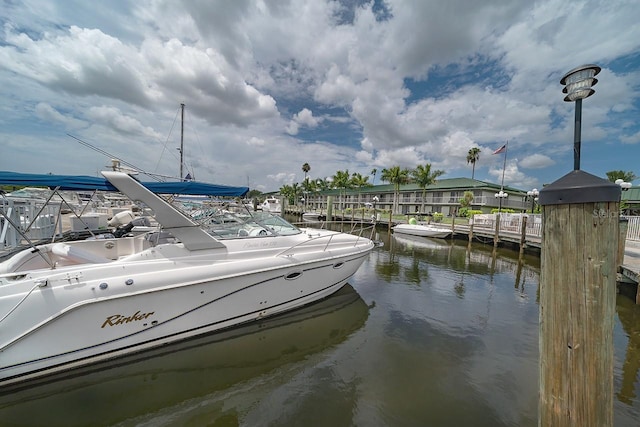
(423, 230)
(272, 205)
(67, 305)
(313, 216)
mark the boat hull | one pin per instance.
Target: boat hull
(73, 321)
(422, 230)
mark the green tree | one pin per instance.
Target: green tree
(295, 190)
(342, 181)
(466, 199)
(286, 191)
(472, 157)
(359, 181)
(626, 176)
(374, 171)
(396, 176)
(424, 176)
(306, 168)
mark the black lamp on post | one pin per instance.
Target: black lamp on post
(375, 200)
(501, 195)
(533, 196)
(579, 83)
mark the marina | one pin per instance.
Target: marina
(426, 328)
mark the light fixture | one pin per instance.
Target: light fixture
(579, 85)
(533, 196)
(623, 184)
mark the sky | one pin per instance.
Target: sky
(341, 85)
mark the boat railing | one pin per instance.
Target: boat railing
(329, 239)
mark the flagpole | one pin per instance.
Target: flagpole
(504, 166)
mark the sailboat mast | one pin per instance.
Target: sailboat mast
(181, 140)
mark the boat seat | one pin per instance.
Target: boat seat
(76, 254)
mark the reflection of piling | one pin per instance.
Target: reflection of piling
(577, 300)
(523, 235)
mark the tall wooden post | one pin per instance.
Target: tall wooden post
(577, 300)
(496, 235)
(622, 240)
(329, 208)
(523, 234)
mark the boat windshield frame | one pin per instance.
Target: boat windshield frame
(226, 224)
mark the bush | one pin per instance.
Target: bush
(437, 217)
(503, 211)
(469, 213)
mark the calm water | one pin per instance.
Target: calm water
(427, 333)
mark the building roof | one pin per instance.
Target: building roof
(631, 195)
(446, 184)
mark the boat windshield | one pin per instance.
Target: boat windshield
(224, 224)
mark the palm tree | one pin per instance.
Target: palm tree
(286, 191)
(295, 190)
(359, 181)
(472, 157)
(397, 177)
(342, 181)
(374, 171)
(423, 176)
(308, 186)
(626, 176)
(306, 168)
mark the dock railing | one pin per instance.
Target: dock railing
(36, 221)
(633, 229)
(511, 223)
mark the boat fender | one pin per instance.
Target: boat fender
(413, 221)
(121, 218)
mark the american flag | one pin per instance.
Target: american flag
(501, 149)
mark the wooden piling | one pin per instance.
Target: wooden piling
(622, 239)
(471, 230)
(453, 226)
(577, 301)
(329, 208)
(523, 234)
(496, 235)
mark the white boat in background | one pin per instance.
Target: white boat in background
(272, 205)
(423, 230)
(67, 305)
(313, 217)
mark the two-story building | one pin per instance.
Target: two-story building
(443, 197)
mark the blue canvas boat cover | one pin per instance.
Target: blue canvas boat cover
(90, 183)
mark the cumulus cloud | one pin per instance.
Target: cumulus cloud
(536, 161)
(303, 118)
(115, 119)
(48, 113)
(403, 82)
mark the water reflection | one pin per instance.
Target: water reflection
(150, 383)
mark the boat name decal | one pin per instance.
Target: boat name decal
(119, 319)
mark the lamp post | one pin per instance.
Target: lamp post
(533, 195)
(501, 195)
(579, 83)
(375, 200)
(623, 185)
(577, 293)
